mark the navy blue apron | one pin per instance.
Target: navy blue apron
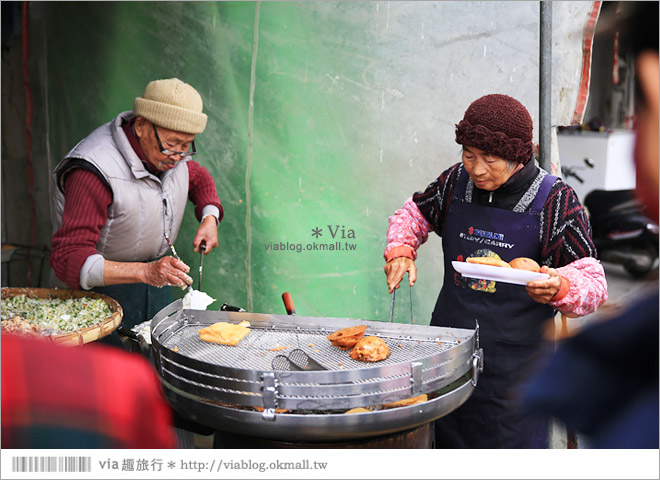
(139, 302)
(510, 322)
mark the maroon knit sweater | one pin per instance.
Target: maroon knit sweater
(86, 210)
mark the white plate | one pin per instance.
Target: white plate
(498, 274)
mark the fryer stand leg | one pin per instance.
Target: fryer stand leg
(184, 438)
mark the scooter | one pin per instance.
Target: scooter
(621, 232)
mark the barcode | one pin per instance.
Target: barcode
(51, 464)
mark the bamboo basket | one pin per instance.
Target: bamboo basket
(82, 335)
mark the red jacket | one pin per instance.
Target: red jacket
(80, 397)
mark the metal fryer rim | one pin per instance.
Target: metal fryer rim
(246, 382)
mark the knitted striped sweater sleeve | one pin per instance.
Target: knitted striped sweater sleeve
(422, 213)
(202, 190)
(566, 245)
(565, 229)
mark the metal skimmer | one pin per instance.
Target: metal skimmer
(296, 360)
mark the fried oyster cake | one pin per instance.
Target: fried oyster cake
(370, 349)
(346, 338)
(406, 402)
(357, 410)
(225, 333)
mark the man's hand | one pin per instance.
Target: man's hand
(159, 273)
(207, 232)
(167, 271)
(542, 291)
(396, 268)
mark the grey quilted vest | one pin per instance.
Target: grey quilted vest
(143, 207)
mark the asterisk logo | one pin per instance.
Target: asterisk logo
(316, 232)
(171, 464)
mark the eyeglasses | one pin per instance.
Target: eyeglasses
(168, 152)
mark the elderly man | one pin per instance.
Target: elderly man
(123, 187)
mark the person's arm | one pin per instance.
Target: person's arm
(85, 212)
(577, 285)
(407, 230)
(159, 273)
(74, 257)
(585, 288)
(409, 227)
(208, 209)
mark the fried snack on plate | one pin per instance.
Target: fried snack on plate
(370, 349)
(495, 262)
(357, 410)
(346, 338)
(524, 263)
(406, 402)
(224, 333)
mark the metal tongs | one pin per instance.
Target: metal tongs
(297, 360)
(392, 307)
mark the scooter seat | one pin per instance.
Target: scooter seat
(601, 202)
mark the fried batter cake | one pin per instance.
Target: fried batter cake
(370, 349)
(346, 338)
(495, 262)
(408, 401)
(524, 263)
(277, 410)
(357, 410)
(224, 333)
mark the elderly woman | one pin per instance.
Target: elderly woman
(497, 203)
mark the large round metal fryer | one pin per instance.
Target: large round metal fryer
(223, 386)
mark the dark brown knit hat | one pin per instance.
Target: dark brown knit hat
(499, 125)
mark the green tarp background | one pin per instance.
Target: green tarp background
(291, 144)
(322, 115)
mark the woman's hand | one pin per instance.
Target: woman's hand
(542, 291)
(167, 271)
(396, 268)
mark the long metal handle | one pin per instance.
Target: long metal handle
(202, 249)
(411, 311)
(392, 307)
(169, 244)
(230, 308)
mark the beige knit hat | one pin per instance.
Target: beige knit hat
(172, 104)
